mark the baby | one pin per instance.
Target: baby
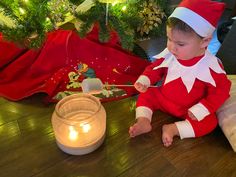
(195, 84)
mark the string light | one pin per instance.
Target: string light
(113, 2)
(124, 8)
(22, 11)
(48, 19)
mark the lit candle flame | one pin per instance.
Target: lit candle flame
(86, 127)
(73, 134)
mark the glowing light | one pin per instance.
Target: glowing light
(113, 2)
(83, 126)
(22, 11)
(86, 127)
(124, 8)
(48, 19)
(73, 134)
(26, 1)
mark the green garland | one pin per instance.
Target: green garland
(125, 22)
(34, 18)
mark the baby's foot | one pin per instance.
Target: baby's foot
(143, 125)
(168, 133)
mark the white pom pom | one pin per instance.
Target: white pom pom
(92, 85)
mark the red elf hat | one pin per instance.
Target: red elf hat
(201, 15)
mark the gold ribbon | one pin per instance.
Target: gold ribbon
(4, 20)
(83, 7)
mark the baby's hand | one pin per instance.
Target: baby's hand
(190, 114)
(140, 87)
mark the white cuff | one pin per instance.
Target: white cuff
(144, 80)
(199, 111)
(185, 129)
(143, 111)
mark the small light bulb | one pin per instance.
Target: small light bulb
(22, 11)
(124, 8)
(113, 4)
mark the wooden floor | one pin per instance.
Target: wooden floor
(28, 148)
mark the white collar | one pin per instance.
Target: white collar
(188, 74)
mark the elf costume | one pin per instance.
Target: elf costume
(198, 85)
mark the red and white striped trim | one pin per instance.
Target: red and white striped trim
(200, 25)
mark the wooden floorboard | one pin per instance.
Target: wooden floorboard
(28, 147)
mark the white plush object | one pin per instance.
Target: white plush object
(227, 115)
(92, 85)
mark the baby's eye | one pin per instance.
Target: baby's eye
(180, 44)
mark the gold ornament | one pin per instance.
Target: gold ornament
(83, 7)
(152, 15)
(4, 20)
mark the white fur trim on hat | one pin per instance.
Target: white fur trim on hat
(200, 25)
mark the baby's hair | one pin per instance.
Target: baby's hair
(178, 24)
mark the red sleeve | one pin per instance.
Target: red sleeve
(154, 75)
(216, 96)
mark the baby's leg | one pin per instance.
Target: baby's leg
(168, 133)
(203, 127)
(188, 128)
(143, 125)
(146, 103)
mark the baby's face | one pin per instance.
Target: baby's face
(184, 45)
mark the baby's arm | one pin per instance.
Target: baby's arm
(149, 76)
(140, 87)
(216, 96)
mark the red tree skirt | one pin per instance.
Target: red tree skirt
(62, 63)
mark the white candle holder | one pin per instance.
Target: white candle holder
(79, 124)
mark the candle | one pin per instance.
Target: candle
(79, 124)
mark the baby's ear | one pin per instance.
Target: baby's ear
(206, 41)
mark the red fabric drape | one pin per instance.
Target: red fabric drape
(25, 72)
